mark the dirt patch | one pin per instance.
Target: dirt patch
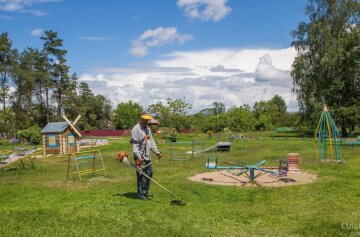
(223, 177)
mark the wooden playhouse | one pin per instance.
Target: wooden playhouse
(61, 137)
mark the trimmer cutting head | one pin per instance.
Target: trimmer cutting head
(178, 202)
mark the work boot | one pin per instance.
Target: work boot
(142, 197)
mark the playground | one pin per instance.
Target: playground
(43, 201)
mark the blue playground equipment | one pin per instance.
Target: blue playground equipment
(249, 170)
(327, 142)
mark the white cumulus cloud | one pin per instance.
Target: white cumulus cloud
(265, 71)
(231, 76)
(37, 32)
(157, 37)
(205, 9)
(23, 6)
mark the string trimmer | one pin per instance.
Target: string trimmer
(122, 158)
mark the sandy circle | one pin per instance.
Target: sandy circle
(223, 177)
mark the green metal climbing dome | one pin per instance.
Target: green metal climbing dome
(327, 138)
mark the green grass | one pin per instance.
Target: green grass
(41, 202)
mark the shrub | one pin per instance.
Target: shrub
(31, 134)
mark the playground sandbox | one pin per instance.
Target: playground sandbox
(223, 177)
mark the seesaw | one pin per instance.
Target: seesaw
(249, 170)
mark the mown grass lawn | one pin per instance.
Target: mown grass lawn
(41, 202)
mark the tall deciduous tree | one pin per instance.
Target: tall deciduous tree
(241, 118)
(174, 114)
(178, 109)
(6, 63)
(126, 114)
(326, 69)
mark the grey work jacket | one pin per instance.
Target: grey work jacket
(142, 145)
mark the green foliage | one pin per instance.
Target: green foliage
(6, 65)
(126, 114)
(269, 114)
(241, 118)
(31, 135)
(167, 133)
(174, 114)
(7, 119)
(96, 112)
(326, 69)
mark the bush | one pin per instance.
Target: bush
(4, 142)
(31, 135)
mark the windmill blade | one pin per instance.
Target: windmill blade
(77, 119)
(72, 126)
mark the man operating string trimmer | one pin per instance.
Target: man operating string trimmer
(142, 143)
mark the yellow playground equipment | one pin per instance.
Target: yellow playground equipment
(85, 162)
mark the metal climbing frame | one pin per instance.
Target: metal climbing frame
(327, 142)
(186, 150)
(84, 163)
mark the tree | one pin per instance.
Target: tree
(61, 83)
(241, 118)
(161, 112)
(71, 101)
(326, 69)
(173, 115)
(265, 114)
(53, 54)
(9, 127)
(126, 114)
(95, 109)
(40, 83)
(279, 103)
(24, 79)
(6, 64)
(178, 109)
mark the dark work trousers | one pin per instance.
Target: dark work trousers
(143, 183)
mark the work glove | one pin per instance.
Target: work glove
(159, 155)
(139, 161)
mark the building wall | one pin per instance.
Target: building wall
(61, 141)
(48, 143)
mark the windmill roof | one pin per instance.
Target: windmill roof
(55, 127)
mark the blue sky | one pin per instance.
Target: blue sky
(230, 51)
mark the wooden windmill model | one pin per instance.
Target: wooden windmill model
(61, 137)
